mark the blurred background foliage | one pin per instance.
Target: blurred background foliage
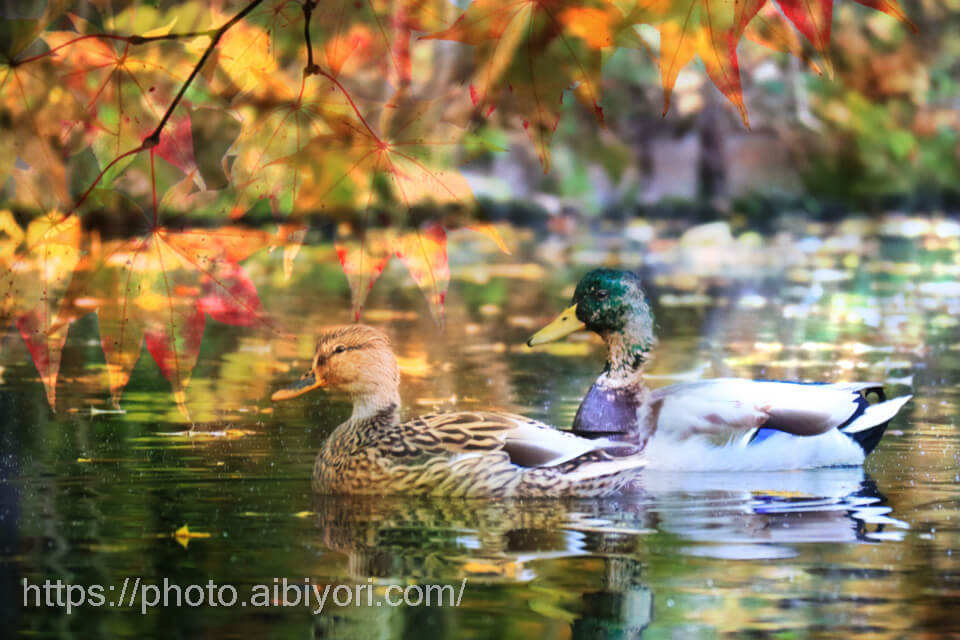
(879, 133)
(870, 127)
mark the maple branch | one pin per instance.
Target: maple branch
(308, 7)
(134, 40)
(154, 138)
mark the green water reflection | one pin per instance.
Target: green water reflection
(93, 497)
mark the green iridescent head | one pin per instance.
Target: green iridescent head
(609, 300)
(612, 304)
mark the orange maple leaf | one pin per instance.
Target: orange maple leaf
(712, 29)
(537, 50)
(245, 57)
(708, 28)
(261, 155)
(124, 89)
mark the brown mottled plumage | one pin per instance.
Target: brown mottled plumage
(475, 453)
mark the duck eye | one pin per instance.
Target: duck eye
(603, 294)
(339, 349)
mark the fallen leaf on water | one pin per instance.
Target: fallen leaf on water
(205, 436)
(416, 366)
(183, 535)
(507, 569)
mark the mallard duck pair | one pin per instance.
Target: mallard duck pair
(621, 426)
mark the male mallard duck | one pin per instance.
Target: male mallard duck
(476, 453)
(719, 424)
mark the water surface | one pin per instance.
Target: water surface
(90, 496)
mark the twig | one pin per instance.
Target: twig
(170, 36)
(154, 138)
(134, 40)
(308, 7)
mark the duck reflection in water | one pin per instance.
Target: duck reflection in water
(602, 552)
(749, 516)
(592, 584)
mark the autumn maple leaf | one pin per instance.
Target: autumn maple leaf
(32, 131)
(19, 32)
(814, 18)
(158, 289)
(537, 50)
(260, 168)
(246, 56)
(33, 280)
(263, 158)
(712, 29)
(374, 33)
(123, 89)
(708, 28)
(373, 176)
(770, 28)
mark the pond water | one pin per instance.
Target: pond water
(90, 496)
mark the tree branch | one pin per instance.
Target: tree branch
(154, 138)
(171, 36)
(308, 7)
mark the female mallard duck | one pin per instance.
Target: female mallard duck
(719, 424)
(475, 454)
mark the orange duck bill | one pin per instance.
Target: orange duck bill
(308, 382)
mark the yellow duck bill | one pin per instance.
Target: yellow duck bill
(307, 383)
(562, 326)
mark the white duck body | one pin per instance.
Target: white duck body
(779, 452)
(731, 424)
(727, 424)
